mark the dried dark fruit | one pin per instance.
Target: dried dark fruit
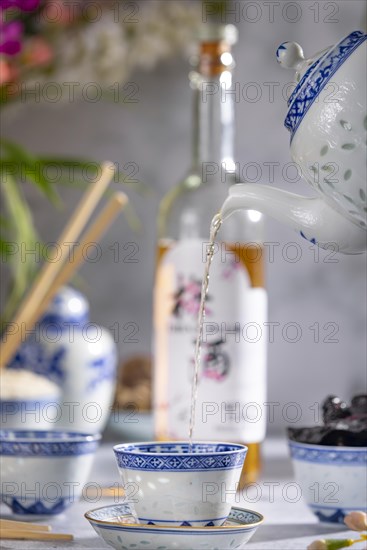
(343, 426)
(334, 408)
(359, 404)
(312, 435)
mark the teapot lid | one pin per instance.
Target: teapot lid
(312, 74)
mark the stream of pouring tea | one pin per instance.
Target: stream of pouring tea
(214, 228)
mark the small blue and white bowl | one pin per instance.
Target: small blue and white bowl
(333, 480)
(44, 472)
(170, 483)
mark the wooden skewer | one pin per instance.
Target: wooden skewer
(17, 534)
(49, 270)
(23, 525)
(92, 235)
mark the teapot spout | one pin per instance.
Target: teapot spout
(312, 218)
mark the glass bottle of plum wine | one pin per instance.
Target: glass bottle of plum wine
(232, 377)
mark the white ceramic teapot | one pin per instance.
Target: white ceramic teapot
(328, 143)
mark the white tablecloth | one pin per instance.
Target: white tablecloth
(288, 522)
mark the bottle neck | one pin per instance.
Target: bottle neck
(213, 121)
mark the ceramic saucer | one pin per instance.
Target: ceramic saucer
(120, 530)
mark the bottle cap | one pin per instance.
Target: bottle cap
(210, 32)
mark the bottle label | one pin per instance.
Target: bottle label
(232, 378)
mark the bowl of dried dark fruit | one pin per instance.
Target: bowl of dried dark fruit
(330, 460)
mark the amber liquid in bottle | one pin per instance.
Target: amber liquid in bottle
(252, 258)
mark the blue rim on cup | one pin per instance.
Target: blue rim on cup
(174, 484)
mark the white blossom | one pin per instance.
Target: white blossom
(107, 50)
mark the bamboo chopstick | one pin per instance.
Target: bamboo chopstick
(112, 492)
(49, 270)
(22, 525)
(105, 492)
(17, 534)
(93, 234)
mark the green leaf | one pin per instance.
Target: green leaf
(4, 249)
(88, 170)
(5, 224)
(24, 238)
(337, 544)
(26, 167)
(132, 218)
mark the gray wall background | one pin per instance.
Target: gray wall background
(155, 134)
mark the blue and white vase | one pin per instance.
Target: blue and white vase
(79, 356)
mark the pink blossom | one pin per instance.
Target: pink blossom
(10, 37)
(58, 12)
(23, 5)
(5, 72)
(37, 52)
